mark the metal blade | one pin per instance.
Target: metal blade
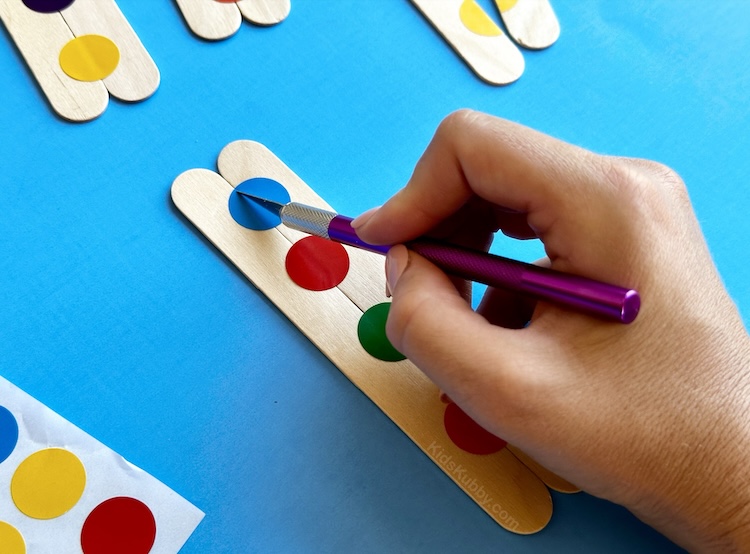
(270, 205)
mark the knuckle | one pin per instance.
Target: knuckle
(623, 176)
(668, 178)
(645, 178)
(673, 182)
(458, 120)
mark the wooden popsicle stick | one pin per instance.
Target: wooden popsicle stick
(40, 37)
(244, 159)
(493, 57)
(504, 487)
(265, 12)
(209, 19)
(531, 23)
(136, 76)
(552, 480)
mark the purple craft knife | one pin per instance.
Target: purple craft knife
(578, 293)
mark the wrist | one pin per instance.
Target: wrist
(720, 513)
(696, 487)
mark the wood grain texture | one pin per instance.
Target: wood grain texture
(40, 37)
(244, 159)
(503, 486)
(265, 12)
(495, 59)
(136, 76)
(531, 23)
(211, 20)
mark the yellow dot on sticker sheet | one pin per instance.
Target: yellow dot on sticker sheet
(477, 20)
(48, 483)
(89, 58)
(11, 541)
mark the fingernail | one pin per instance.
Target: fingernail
(363, 218)
(396, 261)
(387, 267)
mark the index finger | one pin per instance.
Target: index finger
(502, 162)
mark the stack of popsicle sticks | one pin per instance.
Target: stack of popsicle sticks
(492, 55)
(237, 163)
(482, 44)
(265, 12)
(217, 20)
(209, 19)
(40, 37)
(500, 483)
(136, 76)
(531, 23)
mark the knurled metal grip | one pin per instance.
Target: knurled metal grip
(307, 219)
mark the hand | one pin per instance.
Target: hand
(654, 415)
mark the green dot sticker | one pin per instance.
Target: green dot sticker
(371, 332)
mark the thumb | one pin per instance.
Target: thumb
(480, 366)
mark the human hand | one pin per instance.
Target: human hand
(654, 415)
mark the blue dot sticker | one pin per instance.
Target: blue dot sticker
(8, 433)
(252, 215)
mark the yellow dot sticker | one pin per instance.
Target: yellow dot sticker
(477, 20)
(11, 540)
(505, 5)
(89, 58)
(48, 483)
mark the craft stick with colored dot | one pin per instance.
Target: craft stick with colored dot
(531, 23)
(498, 482)
(135, 76)
(243, 160)
(552, 480)
(41, 37)
(476, 38)
(211, 20)
(265, 12)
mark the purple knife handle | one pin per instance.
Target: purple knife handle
(340, 230)
(585, 295)
(582, 294)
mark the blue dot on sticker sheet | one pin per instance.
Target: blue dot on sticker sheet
(8, 433)
(250, 214)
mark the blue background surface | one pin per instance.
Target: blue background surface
(116, 313)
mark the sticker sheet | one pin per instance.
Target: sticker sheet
(64, 491)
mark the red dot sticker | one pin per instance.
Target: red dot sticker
(317, 264)
(120, 525)
(468, 435)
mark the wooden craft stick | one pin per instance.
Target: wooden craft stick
(552, 480)
(40, 37)
(503, 486)
(209, 19)
(531, 23)
(243, 160)
(265, 12)
(476, 38)
(136, 76)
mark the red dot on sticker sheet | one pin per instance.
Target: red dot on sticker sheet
(468, 435)
(120, 525)
(317, 264)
